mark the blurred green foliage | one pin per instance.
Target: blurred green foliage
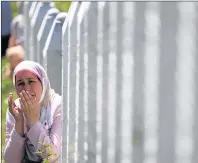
(63, 6)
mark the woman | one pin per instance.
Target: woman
(34, 118)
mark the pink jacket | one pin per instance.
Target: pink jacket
(15, 144)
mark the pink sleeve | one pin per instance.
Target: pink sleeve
(37, 134)
(14, 146)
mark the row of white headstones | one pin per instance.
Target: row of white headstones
(127, 73)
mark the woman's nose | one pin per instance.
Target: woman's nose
(27, 87)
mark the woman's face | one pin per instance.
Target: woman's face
(28, 81)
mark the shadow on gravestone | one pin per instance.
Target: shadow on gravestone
(167, 85)
(52, 53)
(138, 82)
(91, 25)
(40, 12)
(44, 32)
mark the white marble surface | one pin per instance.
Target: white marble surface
(129, 82)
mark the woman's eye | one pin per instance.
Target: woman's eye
(31, 81)
(19, 84)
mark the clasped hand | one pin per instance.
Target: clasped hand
(30, 107)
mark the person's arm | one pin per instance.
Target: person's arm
(37, 133)
(12, 41)
(14, 146)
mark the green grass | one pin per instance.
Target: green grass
(7, 86)
(62, 6)
(14, 9)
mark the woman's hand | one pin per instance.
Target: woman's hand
(14, 110)
(17, 114)
(30, 108)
